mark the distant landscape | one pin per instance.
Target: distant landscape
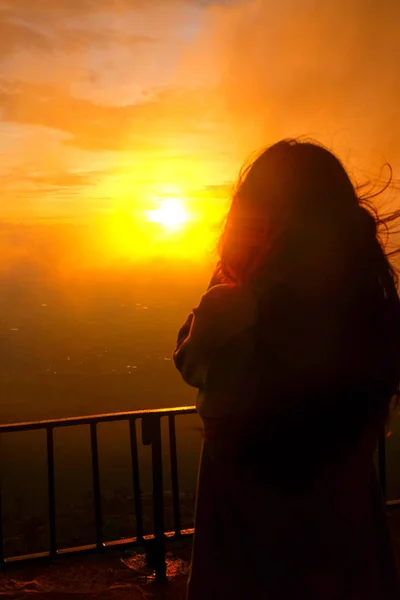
(104, 345)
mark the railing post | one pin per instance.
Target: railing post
(51, 491)
(174, 476)
(151, 435)
(382, 462)
(96, 485)
(137, 494)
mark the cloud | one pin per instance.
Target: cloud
(82, 6)
(54, 108)
(74, 39)
(14, 36)
(203, 81)
(55, 194)
(325, 69)
(43, 250)
(98, 127)
(50, 180)
(45, 12)
(67, 7)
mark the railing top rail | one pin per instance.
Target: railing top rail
(101, 418)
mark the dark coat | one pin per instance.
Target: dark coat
(274, 520)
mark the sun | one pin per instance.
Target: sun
(171, 214)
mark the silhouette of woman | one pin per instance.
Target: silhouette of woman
(295, 351)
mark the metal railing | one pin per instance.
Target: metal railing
(151, 436)
(154, 544)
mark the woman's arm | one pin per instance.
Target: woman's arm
(224, 311)
(184, 330)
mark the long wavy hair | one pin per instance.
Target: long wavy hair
(292, 188)
(297, 220)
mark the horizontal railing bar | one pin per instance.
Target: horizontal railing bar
(102, 418)
(92, 548)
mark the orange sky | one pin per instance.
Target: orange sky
(108, 106)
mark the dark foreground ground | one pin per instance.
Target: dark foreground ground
(114, 575)
(120, 575)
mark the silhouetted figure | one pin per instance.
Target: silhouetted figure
(295, 350)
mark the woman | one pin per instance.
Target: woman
(295, 351)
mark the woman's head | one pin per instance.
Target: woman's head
(292, 202)
(296, 219)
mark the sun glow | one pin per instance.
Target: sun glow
(164, 224)
(171, 214)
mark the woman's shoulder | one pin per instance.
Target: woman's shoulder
(225, 291)
(226, 302)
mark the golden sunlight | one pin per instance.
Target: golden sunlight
(171, 214)
(163, 223)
